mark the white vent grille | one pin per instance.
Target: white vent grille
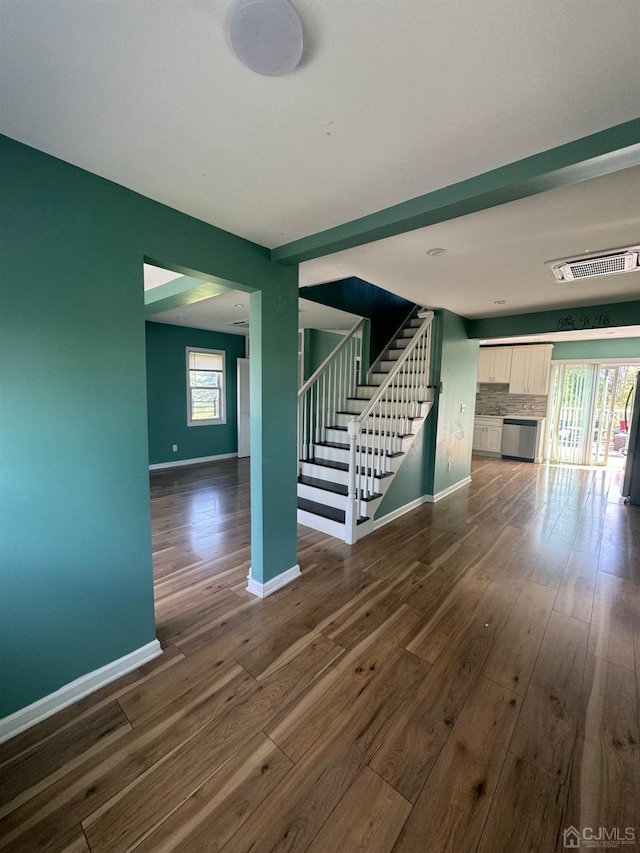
(243, 323)
(604, 263)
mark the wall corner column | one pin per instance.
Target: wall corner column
(273, 376)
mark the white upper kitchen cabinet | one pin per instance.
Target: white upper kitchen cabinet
(494, 364)
(530, 368)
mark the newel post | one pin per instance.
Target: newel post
(352, 511)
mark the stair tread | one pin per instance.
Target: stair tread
(343, 466)
(405, 417)
(336, 488)
(330, 512)
(328, 463)
(338, 446)
(376, 432)
(327, 485)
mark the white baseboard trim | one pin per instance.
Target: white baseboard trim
(184, 463)
(262, 590)
(424, 499)
(391, 516)
(449, 491)
(75, 690)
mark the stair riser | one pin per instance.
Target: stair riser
(331, 475)
(323, 473)
(377, 378)
(322, 496)
(395, 353)
(419, 392)
(336, 454)
(365, 392)
(384, 370)
(340, 437)
(356, 407)
(337, 435)
(318, 522)
(401, 425)
(402, 342)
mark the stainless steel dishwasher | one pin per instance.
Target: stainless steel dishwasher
(519, 439)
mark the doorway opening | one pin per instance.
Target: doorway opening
(586, 417)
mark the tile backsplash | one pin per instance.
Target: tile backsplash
(493, 394)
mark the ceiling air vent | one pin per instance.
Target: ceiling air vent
(609, 262)
(242, 323)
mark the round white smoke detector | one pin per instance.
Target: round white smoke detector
(267, 36)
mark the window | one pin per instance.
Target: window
(205, 387)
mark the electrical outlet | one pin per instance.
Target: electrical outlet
(175, 447)
(448, 466)
(463, 407)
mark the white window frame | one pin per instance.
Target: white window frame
(223, 389)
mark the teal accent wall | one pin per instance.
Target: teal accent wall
(415, 477)
(167, 393)
(604, 348)
(75, 554)
(447, 434)
(610, 315)
(318, 344)
(273, 371)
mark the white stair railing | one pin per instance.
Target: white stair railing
(326, 391)
(374, 435)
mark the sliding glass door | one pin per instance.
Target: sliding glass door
(586, 413)
(572, 394)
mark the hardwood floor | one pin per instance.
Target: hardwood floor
(466, 678)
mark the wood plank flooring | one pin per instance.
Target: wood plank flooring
(466, 678)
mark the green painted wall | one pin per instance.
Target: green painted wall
(318, 344)
(560, 320)
(605, 348)
(167, 393)
(447, 433)
(75, 556)
(273, 369)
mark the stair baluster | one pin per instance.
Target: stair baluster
(398, 396)
(326, 391)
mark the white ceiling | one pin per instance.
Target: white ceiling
(155, 276)
(500, 253)
(392, 100)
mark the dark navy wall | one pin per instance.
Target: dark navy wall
(385, 310)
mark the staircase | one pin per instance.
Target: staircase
(354, 435)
